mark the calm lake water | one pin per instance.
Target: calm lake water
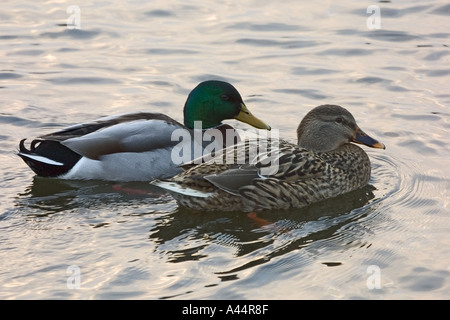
(99, 240)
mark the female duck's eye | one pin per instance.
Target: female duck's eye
(224, 97)
(339, 120)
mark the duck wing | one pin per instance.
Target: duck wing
(135, 132)
(232, 180)
(282, 161)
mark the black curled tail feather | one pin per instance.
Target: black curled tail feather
(48, 158)
(22, 148)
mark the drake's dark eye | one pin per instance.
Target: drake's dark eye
(224, 97)
(339, 120)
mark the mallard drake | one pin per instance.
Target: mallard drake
(135, 146)
(323, 164)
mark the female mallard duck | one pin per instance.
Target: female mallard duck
(134, 146)
(324, 164)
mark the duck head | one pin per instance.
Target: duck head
(213, 101)
(327, 127)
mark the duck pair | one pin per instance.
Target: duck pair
(138, 146)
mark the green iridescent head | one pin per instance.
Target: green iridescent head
(213, 101)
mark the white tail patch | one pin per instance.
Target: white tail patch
(41, 159)
(176, 188)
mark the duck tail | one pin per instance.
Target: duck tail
(47, 158)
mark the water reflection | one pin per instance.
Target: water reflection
(47, 196)
(229, 242)
(254, 239)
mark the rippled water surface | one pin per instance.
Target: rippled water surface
(389, 240)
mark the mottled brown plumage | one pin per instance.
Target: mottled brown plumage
(324, 164)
